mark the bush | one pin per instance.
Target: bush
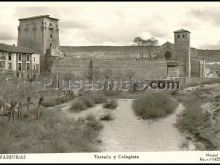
(110, 104)
(174, 92)
(192, 117)
(98, 98)
(93, 123)
(88, 101)
(78, 105)
(154, 105)
(112, 92)
(106, 116)
(55, 100)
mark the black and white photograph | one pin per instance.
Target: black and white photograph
(116, 80)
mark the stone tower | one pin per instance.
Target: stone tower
(39, 33)
(182, 50)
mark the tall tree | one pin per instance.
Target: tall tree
(139, 41)
(150, 43)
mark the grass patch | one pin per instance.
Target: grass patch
(110, 104)
(52, 133)
(154, 105)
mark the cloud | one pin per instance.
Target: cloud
(4, 35)
(208, 14)
(66, 24)
(214, 46)
(119, 23)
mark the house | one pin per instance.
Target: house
(20, 61)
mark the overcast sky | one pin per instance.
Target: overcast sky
(118, 23)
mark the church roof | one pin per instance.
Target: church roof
(181, 30)
(167, 43)
(15, 49)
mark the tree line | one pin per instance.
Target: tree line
(147, 43)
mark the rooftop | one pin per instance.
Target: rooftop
(15, 49)
(39, 16)
(181, 30)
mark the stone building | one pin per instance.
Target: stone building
(19, 61)
(39, 33)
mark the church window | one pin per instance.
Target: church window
(178, 36)
(167, 55)
(183, 36)
(19, 57)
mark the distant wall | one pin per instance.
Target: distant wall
(143, 69)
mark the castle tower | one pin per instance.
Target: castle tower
(39, 33)
(182, 49)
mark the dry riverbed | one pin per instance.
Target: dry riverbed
(127, 132)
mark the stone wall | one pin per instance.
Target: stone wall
(195, 68)
(120, 68)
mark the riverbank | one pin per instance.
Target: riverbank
(201, 117)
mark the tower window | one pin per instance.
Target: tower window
(51, 36)
(178, 36)
(19, 66)
(183, 36)
(28, 66)
(9, 57)
(19, 57)
(28, 57)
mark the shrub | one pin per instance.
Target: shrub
(154, 105)
(174, 92)
(94, 123)
(112, 92)
(98, 98)
(110, 104)
(88, 101)
(106, 116)
(192, 117)
(55, 100)
(78, 105)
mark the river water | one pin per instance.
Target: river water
(128, 133)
